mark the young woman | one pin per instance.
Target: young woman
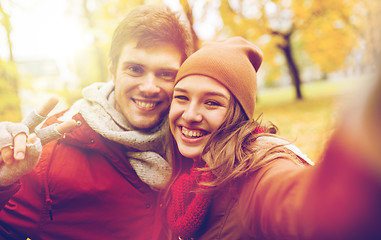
(234, 179)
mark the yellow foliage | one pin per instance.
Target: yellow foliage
(324, 29)
(9, 100)
(328, 43)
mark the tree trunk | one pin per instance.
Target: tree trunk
(188, 11)
(12, 76)
(103, 74)
(292, 67)
(7, 25)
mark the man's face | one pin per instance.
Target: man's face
(144, 81)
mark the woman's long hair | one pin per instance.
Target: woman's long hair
(230, 153)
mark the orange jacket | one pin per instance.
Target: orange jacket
(336, 199)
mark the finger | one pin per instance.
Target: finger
(32, 138)
(66, 126)
(6, 138)
(48, 106)
(51, 133)
(19, 144)
(7, 155)
(33, 119)
(16, 129)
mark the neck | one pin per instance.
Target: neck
(198, 162)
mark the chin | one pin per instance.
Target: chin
(145, 123)
(144, 127)
(189, 153)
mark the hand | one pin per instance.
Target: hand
(19, 151)
(359, 126)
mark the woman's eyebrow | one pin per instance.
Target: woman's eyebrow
(217, 94)
(180, 89)
(210, 93)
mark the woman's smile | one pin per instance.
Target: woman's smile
(192, 136)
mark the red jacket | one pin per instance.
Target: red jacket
(82, 188)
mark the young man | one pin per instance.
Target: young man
(99, 181)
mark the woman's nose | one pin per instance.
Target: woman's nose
(192, 113)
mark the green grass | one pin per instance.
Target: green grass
(308, 122)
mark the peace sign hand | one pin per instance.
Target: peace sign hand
(19, 151)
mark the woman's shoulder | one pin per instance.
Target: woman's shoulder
(274, 144)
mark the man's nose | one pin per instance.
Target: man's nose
(149, 86)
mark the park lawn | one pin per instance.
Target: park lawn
(308, 123)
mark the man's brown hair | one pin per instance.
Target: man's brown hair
(148, 26)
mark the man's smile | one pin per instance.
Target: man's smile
(147, 105)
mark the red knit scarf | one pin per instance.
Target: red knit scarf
(187, 209)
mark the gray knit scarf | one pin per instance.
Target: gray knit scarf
(147, 149)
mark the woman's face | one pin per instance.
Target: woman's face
(198, 108)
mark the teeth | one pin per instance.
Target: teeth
(145, 104)
(191, 133)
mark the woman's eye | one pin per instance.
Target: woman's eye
(213, 103)
(180, 97)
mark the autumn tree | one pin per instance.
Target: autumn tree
(187, 9)
(323, 30)
(99, 55)
(99, 20)
(9, 99)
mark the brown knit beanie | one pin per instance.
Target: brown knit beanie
(233, 62)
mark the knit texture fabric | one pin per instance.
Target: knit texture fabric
(233, 62)
(145, 150)
(187, 210)
(10, 174)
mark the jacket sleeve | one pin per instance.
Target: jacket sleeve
(336, 199)
(7, 192)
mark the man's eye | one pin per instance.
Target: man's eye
(167, 75)
(135, 71)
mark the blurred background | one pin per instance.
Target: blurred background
(314, 51)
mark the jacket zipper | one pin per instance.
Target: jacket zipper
(48, 199)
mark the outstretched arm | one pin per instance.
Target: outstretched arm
(19, 150)
(340, 197)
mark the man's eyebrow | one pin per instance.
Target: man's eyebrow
(172, 69)
(132, 62)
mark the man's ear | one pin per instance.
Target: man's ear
(111, 71)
